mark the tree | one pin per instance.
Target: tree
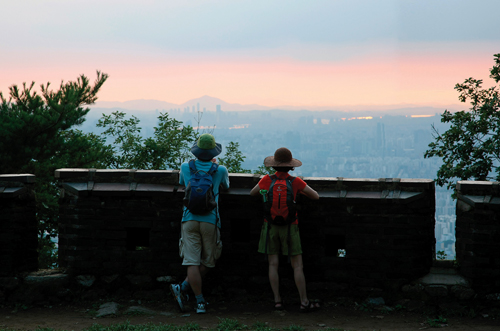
(35, 128)
(263, 170)
(233, 158)
(167, 149)
(470, 148)
(37, 136)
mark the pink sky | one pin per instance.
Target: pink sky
(419, 79)
(323, 53)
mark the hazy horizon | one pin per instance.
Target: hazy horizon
(209, 103)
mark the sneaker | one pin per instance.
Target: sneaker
(201, 308)
(176, 292)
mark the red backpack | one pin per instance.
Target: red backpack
(280, 208)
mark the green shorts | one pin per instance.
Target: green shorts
(278, 240)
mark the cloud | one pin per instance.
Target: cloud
(281, 52)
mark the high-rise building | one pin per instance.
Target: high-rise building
(380, 136)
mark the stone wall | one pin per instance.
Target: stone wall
(18, 225)
(478, 234)
(128, 222)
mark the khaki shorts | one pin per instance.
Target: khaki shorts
(198, 243)
(278, 240)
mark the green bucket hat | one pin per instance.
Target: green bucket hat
(205, 148)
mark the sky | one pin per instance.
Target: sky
(341, 54)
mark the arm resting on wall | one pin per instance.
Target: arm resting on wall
(309, 192)
(255, 190)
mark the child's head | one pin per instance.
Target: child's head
(282, 159)
(205, 148)
(284, 169)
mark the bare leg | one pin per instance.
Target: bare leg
(203, 271)
(194, 278)
(274, 278)
(298, 275)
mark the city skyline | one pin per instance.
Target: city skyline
(318, 54)
(211, 104)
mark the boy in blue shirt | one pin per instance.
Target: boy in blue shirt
(200, 240)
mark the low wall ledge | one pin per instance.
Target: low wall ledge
(11, 192)
(479, 188)
(474, 200)
(21, 178)
(110, 173)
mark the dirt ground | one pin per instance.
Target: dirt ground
(331, 315)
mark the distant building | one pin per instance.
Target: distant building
(218, 108)
(380, 136)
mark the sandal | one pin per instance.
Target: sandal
(278, 305)
(309, 307)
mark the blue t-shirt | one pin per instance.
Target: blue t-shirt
(219, 178)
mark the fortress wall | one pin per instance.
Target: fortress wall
(128, 222)
(478, 233)
(18, 225)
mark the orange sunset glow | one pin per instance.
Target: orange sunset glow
(300, 66)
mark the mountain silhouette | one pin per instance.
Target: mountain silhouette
(207, 102)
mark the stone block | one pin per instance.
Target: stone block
(462, 292)
(85, 280)
(437, 290)
(9, 283)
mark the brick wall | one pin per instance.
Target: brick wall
(18, 225)
(120, 221)
(478, 234)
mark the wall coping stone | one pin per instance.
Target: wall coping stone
(21, 178)
(478, 187)
(11, 192)
(13, 185)
(477, 193)
(152, 182)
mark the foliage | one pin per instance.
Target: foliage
(224, 324)
(437, 322)
(233, 158)
(441, 255)
(263, 170)
(470, 148)
(167, 149)
(293, 327)
(261, 326)
(37, 136)
(227, 324)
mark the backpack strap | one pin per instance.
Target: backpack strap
(192, 167)
(269, 217)
(213, 169)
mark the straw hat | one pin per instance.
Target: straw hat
(282, 158)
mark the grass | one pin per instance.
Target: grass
(438, 322)
(293, 327)
(225, 324)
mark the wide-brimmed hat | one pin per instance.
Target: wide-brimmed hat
(205, 148)
(282, 158)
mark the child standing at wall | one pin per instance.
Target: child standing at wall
(281, 232)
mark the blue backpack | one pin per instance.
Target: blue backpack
(199, 197)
